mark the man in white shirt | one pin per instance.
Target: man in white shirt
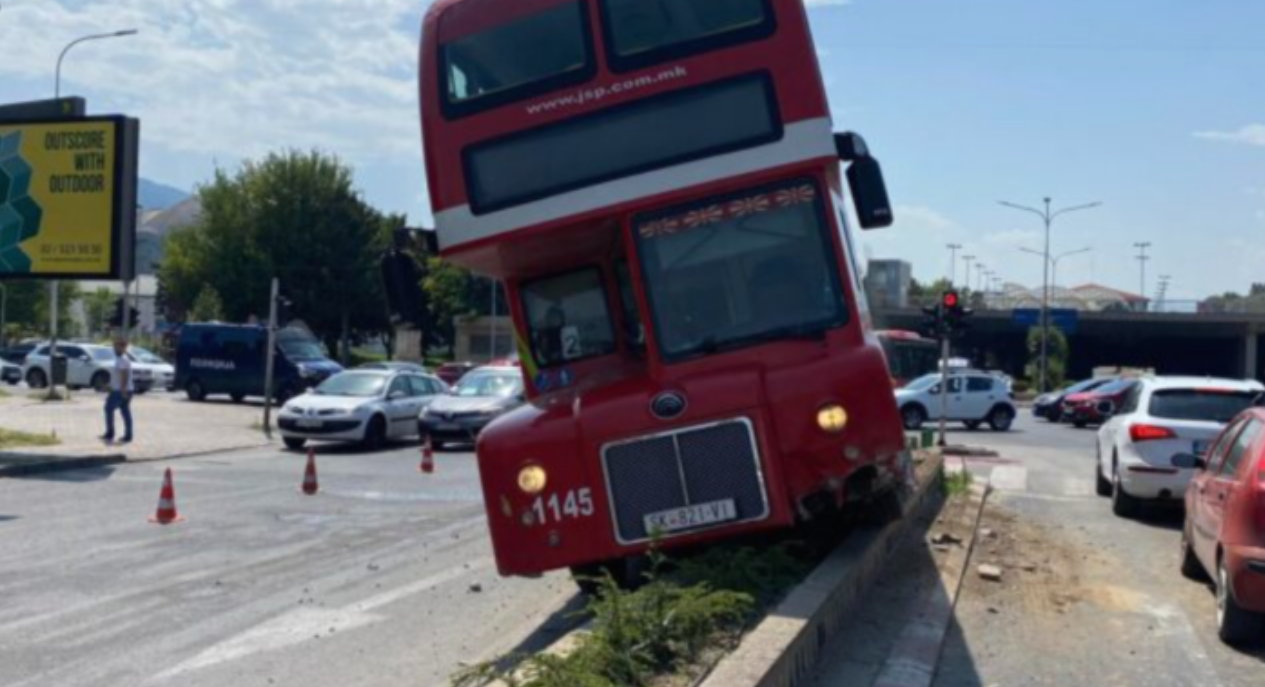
(120, 398)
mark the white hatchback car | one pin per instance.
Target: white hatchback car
(364, 406)
(1159, 418)
(86, 366)
(973, 399)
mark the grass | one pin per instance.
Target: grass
(957, 483)
(685, 609)
(10, 439)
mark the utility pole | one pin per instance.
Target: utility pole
(1162, 292)
(271, 355)
(953, 261)
(1142, 259)
(1048, 218)
(980, 269)
(492, 354)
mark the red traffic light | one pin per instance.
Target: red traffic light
(950, 299)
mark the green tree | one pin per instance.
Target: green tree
(1058, 354)
(98, 306)
(294, 216)
(208, 307)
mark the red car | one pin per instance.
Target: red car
(1224, 532)
(1097, 406)
(452, 373)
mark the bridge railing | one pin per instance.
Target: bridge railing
(994, 301)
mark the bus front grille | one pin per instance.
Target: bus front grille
(700, 465)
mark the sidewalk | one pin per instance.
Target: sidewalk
(167, 426)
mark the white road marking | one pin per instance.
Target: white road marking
(1009, 478)
(296, 626)
(1173, 623)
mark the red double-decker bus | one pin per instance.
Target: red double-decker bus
(658, 185)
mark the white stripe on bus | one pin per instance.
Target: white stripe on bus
(802, 141)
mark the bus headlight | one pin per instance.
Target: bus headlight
(832, 418)
(532, 479)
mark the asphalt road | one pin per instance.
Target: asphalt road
(385, 578)
(1120, 613)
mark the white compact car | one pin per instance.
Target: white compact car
(973, 399)
(1159, 418)
(364, 406)
(86, 366)
(157, 373)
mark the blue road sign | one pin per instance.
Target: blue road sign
(1064, 319)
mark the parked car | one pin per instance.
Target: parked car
(1097, 406)
(1050, 405)
(973, 399)
(401, 366)
(86, 366)
(452, 373)
(364, 406)
(1224, 532)
(479, 398)
(160, 374)
(230, 359)
(17, 354)
(10, 373)
(1159, 418)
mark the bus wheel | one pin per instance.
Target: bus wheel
(627, 573)
(913, 416)
(196, 391)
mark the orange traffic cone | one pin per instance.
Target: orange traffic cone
(428, 458)
(166, 513)
(310, 486)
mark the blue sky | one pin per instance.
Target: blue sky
(1153, 107)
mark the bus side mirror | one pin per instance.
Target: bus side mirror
(865, 182)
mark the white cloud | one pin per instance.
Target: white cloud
(919, 218)
(239, 77)
(1252, 135)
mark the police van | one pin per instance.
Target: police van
(230, 359)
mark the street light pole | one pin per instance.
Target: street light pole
(1048, 218)
(1054, 262)
(953, 262)
(1142, 260)
(980, 269)
(53, 288)
(968, 259)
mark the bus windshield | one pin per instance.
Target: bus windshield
(529, 54)
(647, 27)
(739, 270)
(568, 317)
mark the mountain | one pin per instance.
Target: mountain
(156, 224)
(152, 195)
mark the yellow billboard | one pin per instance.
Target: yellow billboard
(67, 199)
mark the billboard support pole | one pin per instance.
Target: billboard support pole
(52, 339)
(271, 356)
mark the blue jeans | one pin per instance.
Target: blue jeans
(118, 401)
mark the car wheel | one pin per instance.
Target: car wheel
(1001, 419)
(101, 382)
(972, 424)
(913, 416)
(1122, 504)
(1102, 485)
(196, 391)
(1192, 569)
(1079, 424)
(1054, 416)
(295, 443)
(36, 379)
(1234, 624)
(375, 433)
(237, 397)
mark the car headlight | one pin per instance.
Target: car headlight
(832, 418)
(532, 479)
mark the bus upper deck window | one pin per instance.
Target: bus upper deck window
(515, 60)
(642, 32)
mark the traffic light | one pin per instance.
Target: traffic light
(403, 287)
(956, 315)
(932, 324)
(116, 315)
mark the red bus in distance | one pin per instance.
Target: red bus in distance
(659, 187)
(909, 355)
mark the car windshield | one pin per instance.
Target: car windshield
(353, 384)
(301, 349)
(498, 385)
(1085, 385)
(1115, 387)
(923, 383)
(1208, 405)
(141, 355)
(739, 270)
(568, 317)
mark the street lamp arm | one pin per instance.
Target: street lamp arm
(1071, 253)
(84, 39)
(1037, 253)
(1076, 208)
(1025, 208)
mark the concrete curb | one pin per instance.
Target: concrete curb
(783, 650)
(915, 657)
(60, 464)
